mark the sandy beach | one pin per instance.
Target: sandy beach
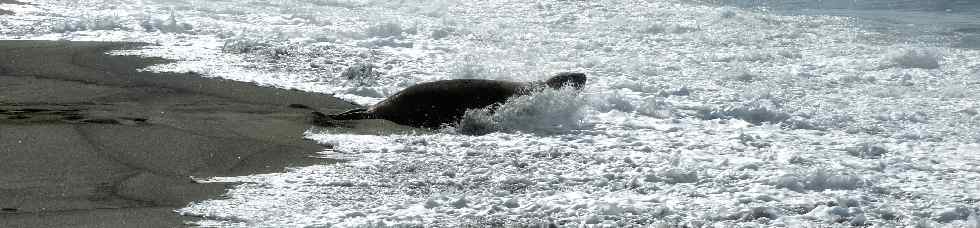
(87, 140)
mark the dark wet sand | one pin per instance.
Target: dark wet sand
(88, 141)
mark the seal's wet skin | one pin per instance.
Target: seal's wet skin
(435, 104)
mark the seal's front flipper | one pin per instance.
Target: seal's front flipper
(320, 119)
(353, 114)
(300, 106)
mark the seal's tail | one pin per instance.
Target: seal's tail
(353, 114)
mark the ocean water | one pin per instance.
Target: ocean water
(696, 113)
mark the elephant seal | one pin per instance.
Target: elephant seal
(434, 104)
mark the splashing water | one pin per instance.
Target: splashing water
(547, 112)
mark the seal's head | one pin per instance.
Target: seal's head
(573, 79)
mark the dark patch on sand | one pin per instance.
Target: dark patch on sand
(137, 119)
(49, 114)
(102, 121)
(299, 106)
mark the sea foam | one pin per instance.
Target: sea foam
(548, 111)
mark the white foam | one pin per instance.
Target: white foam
(914, 58)
(548, 111)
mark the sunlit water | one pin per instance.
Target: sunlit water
(698, 113)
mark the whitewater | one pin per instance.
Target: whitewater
(696, 113)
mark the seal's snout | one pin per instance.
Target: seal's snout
(573, 79)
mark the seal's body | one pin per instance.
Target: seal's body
(434, 104)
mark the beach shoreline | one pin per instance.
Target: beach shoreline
(12, 2)
(88, 140)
